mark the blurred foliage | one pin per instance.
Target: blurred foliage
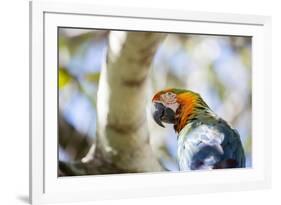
(64, 77)
(217, 67)
(93, 77)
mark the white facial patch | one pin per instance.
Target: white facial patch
(169, 99)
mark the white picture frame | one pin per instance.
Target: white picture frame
(46, 187)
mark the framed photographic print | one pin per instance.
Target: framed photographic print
(130, 102)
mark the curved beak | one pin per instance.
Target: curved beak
(158, 113)
(163, 114)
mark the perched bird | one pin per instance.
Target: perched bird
(205, 141)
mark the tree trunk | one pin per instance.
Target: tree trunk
(122, 143)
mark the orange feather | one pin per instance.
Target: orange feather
(187, 101)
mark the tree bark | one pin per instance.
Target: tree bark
(122, 143)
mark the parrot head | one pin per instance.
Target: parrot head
(177, 106)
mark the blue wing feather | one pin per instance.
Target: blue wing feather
(210, 146)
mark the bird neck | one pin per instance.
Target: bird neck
(192, 106)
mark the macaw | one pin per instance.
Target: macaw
(205, 141)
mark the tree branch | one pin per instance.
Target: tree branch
(73, 142)
(122, 132)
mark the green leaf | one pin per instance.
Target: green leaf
(64, 77)
(93, 77)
